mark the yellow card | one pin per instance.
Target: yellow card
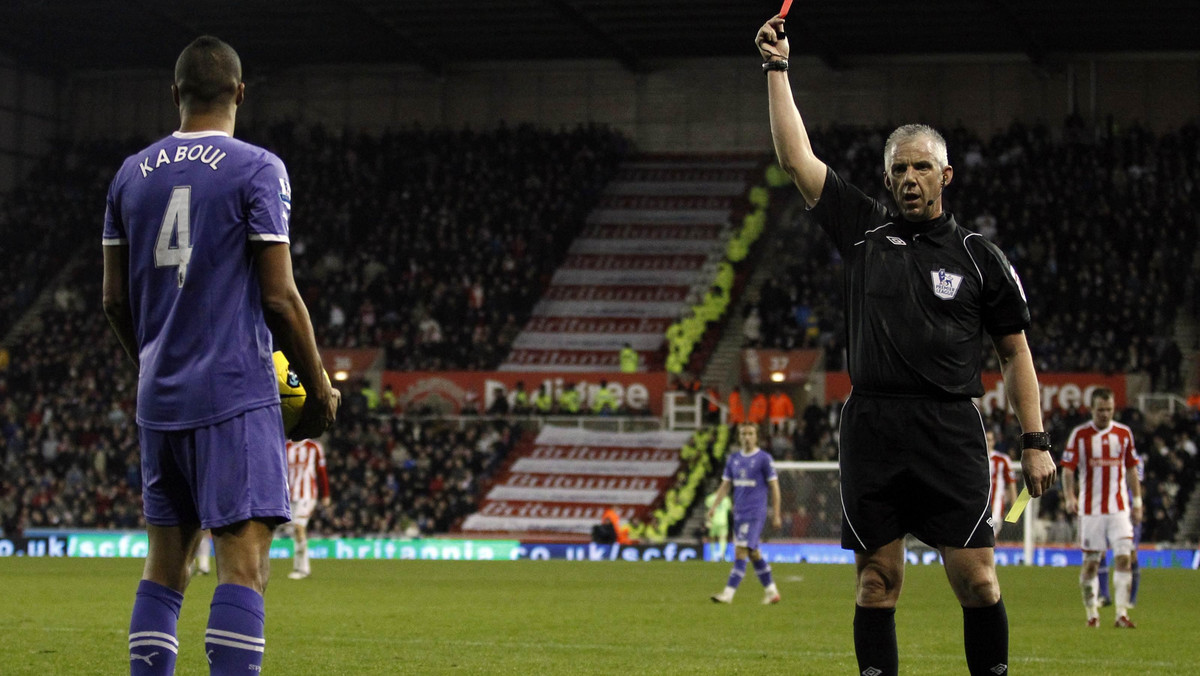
(1014, 513)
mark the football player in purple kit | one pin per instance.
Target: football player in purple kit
(751, 474)
(198, 287)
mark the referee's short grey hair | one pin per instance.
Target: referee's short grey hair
(908, 131)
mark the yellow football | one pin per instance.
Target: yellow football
(291, 392)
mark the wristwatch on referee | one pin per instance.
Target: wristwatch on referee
(1038, 440)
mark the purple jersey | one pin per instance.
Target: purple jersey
(749, 475)
(188, 207)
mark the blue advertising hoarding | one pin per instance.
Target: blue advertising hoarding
(132, 544)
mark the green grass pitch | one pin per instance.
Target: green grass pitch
(70, 616)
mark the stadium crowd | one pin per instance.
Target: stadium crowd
(435, 245)
(392, 475)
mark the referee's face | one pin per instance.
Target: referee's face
(916, 179)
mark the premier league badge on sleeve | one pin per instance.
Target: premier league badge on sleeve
(945, 284)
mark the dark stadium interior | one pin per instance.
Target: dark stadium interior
(453, 274)
(65, 35)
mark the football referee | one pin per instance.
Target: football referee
(920, 293)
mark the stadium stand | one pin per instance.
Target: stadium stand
(652, 248)
(563, 480)
(68, 446)
(436, 244)
(391, 475)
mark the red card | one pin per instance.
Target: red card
(787, 4)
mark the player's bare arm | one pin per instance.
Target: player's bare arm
(1071, 502)
(792, 146)
(1020, 380)
(115, 298)
(1137, 511)
(776, 519)
(288, 319)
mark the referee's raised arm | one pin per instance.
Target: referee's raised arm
(792, 146)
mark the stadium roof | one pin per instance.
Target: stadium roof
(63, 36)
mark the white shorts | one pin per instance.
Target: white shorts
(1098, 532)
(302, 510)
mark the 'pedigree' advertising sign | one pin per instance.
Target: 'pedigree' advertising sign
(447, 392)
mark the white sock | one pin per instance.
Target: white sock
(729, 592)
(300, 562)
(772, 589)
(1122, 582)
(1091, 600)
(202, 554)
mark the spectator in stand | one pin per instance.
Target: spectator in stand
(752, 328)
(499, 405)
(628, 359)
(543, 401)
(758, 409)
(521, 403)
(781, 411)
(737, 411)
(604, 402)
(570, 402)
(388, 400)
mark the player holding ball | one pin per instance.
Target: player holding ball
(197, 287)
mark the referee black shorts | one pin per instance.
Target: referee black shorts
(916, 466)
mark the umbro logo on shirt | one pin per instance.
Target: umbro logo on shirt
(897, 241)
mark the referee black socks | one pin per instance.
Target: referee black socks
(985, 634)
(875, 641)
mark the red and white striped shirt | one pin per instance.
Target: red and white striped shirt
(1003, 476)
(1100, 457)
(307, 479)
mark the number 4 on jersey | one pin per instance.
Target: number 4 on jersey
(174, 246)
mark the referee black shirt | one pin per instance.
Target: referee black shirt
(918, 297)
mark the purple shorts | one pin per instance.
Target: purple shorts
(747, 530)
(217, 475)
